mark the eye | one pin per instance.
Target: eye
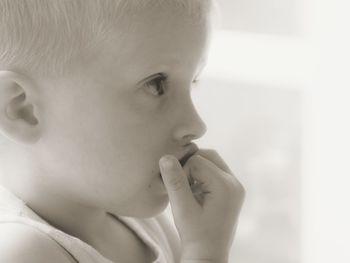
(195, 83)
(156, 85)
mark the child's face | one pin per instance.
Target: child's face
(108, 124)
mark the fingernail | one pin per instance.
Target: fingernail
(166, 162)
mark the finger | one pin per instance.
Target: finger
(214, 182)
(205, 172)
(211, 184)
(214, 157)
(177, 185)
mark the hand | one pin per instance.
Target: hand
(206, 222)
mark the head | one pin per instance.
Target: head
(93, 93)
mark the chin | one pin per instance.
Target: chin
(153, 208)
(146, 209)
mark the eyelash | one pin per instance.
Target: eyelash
(161, 83)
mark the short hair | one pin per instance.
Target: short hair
(43, 36)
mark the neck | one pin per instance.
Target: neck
(59, 209)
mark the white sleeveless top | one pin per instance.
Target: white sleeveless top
(158, 233)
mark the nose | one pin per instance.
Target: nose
(190, 125)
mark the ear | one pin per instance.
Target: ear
(18, 119)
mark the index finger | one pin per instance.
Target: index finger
(215, 158)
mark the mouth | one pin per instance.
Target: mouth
(191, 150)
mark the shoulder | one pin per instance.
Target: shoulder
(20, 243)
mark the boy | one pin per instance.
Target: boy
(97, 124)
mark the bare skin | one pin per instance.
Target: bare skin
(89, 144)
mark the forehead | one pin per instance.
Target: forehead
(156, 37)
(148, 41)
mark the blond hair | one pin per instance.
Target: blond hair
(43, 36)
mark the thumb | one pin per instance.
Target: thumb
(177, 185)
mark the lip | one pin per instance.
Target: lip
(192, 148)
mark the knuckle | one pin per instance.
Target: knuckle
(239, 190)
(235, 187)
(193, 160)
(212, 152)
(209, 152)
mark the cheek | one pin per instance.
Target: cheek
(110, 142)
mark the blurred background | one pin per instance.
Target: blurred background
(275, 98)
